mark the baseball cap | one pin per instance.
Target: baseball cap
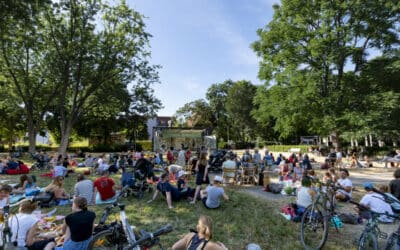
(368, 185)
(218, 178)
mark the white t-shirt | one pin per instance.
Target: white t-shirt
(20, 225)
(304, 198)
(229, 164)
(345, 183)
(377, 204)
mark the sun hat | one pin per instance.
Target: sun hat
(218, 178)
(182, 173)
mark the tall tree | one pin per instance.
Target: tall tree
(239, 105)
(318, 41)
(94, 44)
(217, 96)
(24, 60)
(198, 113)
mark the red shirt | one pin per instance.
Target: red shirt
(105, 187)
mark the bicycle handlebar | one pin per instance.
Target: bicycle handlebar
(150, 236)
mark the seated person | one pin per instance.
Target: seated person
(57, 187)
(170, 192)
(59, 170)
(305, 195)
(229, 163)
(200, 239)
(391, 157)
(25, 182)
(104, 188)
(84, 188)
(212, 194)
(78, 226)
(344, 194)
(5, 191)
(173, 171)
(376, 203)
(183, 187)
(394, 185)
(284, 171)
(24, 228)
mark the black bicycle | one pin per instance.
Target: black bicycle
(120, 234)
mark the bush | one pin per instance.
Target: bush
(223, 145)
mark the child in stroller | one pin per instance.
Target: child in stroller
(137, 179)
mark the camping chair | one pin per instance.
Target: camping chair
(229, 174)
(248, 175)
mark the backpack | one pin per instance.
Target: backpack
(289, 210)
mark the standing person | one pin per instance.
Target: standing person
(201, 174)
(394, 185)
(211, 197)
(78, 226)
(84, 188)
(200, 239)
(181, 160)
(24, 228)
(257, 158)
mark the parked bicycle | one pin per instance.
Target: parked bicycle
(315, 220)
(120, 235)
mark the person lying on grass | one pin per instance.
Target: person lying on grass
(170, 192)
(200, 239)
(211, 196)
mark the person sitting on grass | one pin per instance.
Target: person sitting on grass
(78, 226)
(201, 239)
(24, 229)
(25, 182)
(394, 185)
(59, 170)
(376, 203)
(84, 188)
(305, 195)
(57, 187)
(170, 192)
(183, 187)
(104, 189)
(5, 191)
(344, 194)
(212, 194)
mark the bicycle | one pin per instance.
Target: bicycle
(316, 217)
(120, 235)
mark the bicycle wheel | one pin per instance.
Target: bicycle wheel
(393, 242)
(105, 240)
(313, 228)
(367, 241)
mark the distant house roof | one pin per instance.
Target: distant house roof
(163, 120)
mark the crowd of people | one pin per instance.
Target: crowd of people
(174, 186)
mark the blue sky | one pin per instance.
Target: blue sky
(201, 42)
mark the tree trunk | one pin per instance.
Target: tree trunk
(65, 134)
(31, 135)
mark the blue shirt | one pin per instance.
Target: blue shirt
(165, 187)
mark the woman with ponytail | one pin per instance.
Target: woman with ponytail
(78, 226)
(200, 240)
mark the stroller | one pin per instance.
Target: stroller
(137, 179)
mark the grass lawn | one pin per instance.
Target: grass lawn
(242, 220)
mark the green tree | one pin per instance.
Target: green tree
(94, 45)
(217, 95)
(198, 113)
(239, 104)
(306, 50)
(24, 60)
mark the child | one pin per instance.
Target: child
(5, 191)
(183, 187)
